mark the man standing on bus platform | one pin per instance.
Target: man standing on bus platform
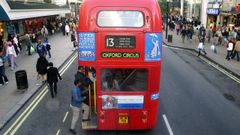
(77, 104)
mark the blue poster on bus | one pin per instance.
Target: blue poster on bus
(153, 46)
(87, 46)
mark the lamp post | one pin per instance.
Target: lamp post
(167, 18)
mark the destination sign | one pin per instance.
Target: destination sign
(121, 42)
(120, 55)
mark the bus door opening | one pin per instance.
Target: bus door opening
(91, 95)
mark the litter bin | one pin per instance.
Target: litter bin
(21, 79)
(170, 38)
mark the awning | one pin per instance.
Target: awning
(3, 14)
(16, 10)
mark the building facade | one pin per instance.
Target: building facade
(28, 16)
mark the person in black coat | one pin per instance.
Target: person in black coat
(41, 67)
(52, 78)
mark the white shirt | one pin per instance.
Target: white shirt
(11, 51)
(15, 40)
(230, 47)
(67, 28)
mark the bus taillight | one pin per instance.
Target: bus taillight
(102, 116)
(144, 116)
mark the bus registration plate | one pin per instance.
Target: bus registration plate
(123, 119)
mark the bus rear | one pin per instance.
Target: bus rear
(122, 42)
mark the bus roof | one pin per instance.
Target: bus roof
(138, 3)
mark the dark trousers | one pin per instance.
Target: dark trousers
(29, 50)
(229, 54)
(235, 53)
(3, 77)
(49, 54)
(177, 31)
(53, 88)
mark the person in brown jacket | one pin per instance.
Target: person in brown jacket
(237, 50)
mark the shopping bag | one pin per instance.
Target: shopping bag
(213, 47)
(32, 50)
(200, 45)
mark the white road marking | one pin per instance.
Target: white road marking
(65, 117)
(58, 132)
(213, 65)
(17, 124)
(167, 124)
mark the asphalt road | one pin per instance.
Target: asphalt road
(195, 98)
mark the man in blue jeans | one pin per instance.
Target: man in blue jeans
(77, 104)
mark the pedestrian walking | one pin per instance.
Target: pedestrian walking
(16, 42)
(183, 33)
(215, 43)
(177, 27)
(34, 39)
(201, 48)
(237, 50)
(52, 79)
(12, 55)
(41, 68)
(48, 47)
(44, 31)
(77, 105)
(3, 77)
(209, 34)
(67, 29)
(63, 28)
(73, 40)
(41, 49)
(27, 41)
(229, 49)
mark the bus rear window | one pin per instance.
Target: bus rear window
(124, 79)
(120, 19)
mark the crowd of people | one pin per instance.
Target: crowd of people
(229, 37)
(34, 42)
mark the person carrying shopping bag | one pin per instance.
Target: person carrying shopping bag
(201, 48)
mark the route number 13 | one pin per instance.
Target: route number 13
(110, 42)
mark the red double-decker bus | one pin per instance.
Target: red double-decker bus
(121, 41)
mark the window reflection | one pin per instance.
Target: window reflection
(124, 79)
(120, 19)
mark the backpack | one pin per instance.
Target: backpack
(40, 48)
(48, 47)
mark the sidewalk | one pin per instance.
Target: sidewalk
(232, 65)
(11, 99)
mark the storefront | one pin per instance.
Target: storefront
(228, 19)
(1, 32)
(212, 17)
(213, 11)
(21, 17)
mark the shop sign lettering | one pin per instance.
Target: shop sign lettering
(213, 11)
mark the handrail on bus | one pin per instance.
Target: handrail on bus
(90, 101)
(95, 97)
(124, 81)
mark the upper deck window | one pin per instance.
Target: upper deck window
(120, 19)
